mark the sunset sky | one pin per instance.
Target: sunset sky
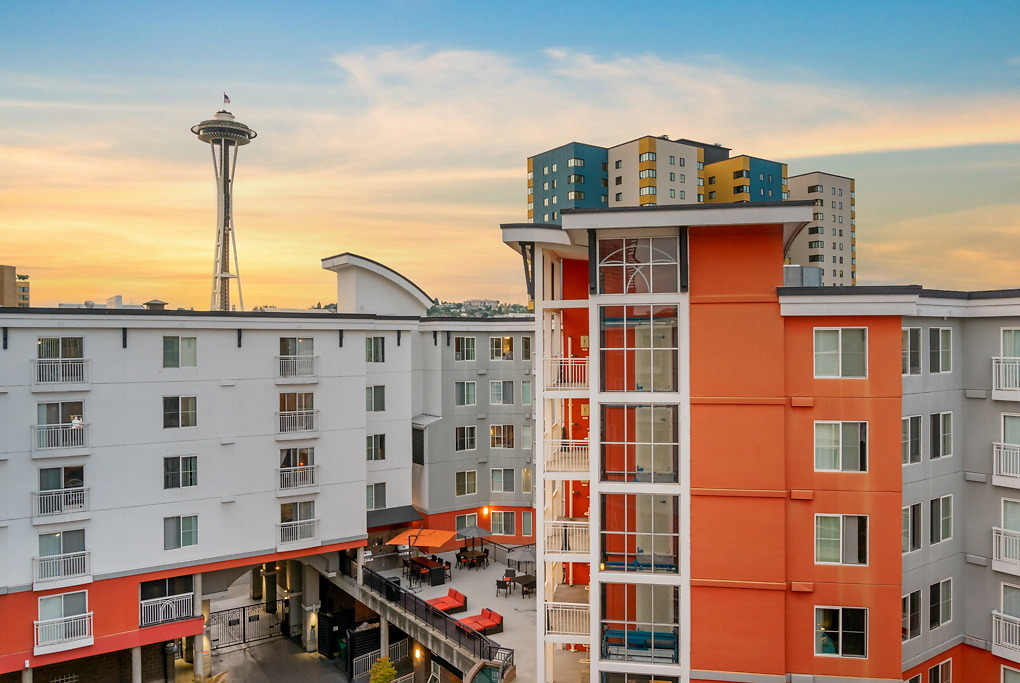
(399, 130)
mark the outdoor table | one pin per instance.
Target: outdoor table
(437, 571)
(525, 580)
(473, 554)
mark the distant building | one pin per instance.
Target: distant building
(14, 288)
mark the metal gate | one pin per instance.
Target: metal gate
(247, 624)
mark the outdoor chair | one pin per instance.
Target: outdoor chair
(502, 585)
(448, 570)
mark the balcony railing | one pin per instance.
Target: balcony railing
(1006, 631)
(60, 371)
(1006, 374)
(296, 366)
(304, 530)
(296, 477)
(1006, 461)
(566, 619)
(567, 537)
(566, 373)
(1006, 546)
(65, 630)
(66, 566)
(566, 455)
(163, 610)
(297, 421)
(75, 435)
(60, 502)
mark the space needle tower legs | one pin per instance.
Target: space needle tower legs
(224, 135)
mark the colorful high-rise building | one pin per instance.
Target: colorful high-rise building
(721, 498)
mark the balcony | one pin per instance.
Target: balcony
(60, 505)
(567, 619)
(1006, 465)
(60, 374)
(305, 532)
(566, 374)
(55, 571)
(296, 369)
(1006, 636)
(1006, 551)
(297, 477)
(65, 633)
(297, 424)
(165, 610)
(573, 538)
(566, 459)
(60, 440)
(1006, 379)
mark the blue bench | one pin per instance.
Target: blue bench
(637, 565)
(638, 643)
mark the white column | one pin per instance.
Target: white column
(361, 564)
(384, 636)
(136, 665)
(198, 661)
(309, 607)
(26, 675)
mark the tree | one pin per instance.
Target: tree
(382, 671)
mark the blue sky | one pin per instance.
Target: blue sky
(397, 129)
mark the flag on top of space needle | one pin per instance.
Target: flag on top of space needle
(226, 100)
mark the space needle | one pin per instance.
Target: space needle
(224, 136)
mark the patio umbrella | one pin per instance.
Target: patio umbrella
(422, 538)
(522, 553)
(474, 531)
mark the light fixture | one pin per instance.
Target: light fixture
(485, 511)
(417, 653)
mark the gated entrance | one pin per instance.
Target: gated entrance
(247, 624)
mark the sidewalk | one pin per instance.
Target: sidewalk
(272, 661)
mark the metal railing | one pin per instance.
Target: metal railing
(1006, 545)
(63, 630)
(296, 366)
(566, 455)
(567, 537)
(74, 435)
(566, 619)
(1006, 374)
(1006, 460)
(302, 530)
(60, 371)
(297, 421)
(66, 566)
(362, 666)
(59, 501)
(408, 678)
(1005, 631)
(501, 553)
(163, 610)
(566, 373)
(476, 643)
(296, 477)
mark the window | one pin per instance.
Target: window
(63, 490)
(841, 631)
(914, 679)
(501, 348)
(296, 457)
(701, 197)
(683, 194)
(911, 607)
(464, 521)
(375, 399)
(672, 177)
(841, 352)
(742, 189)
(711, 195)
(526, 392)
(940, 350)
(604, 199)
(525, 348)
(375, 496)
(464, 438)
(647, 173)
(575, 162)
(466, 483)
(527, 523)
(640, 443)
(941, 435)
(941, 519)
(618, 164)
(619, 180)
(911, 362)
(646, 156)
(180, 471)
(180, 411)
(503, 523)
(814, 188)
(711, 180)
(618, 197)
(816, 230)
(297, 357)
(297, 412)
(60, 348)
(701, 181)
(63, 606)
(638, 265)
(841, 539)
(463, 348)
(911, 441)
(501, 480)
(574, 178)
(165, 588)
(841, 446)
(375, 349)
(527, 437)
(645, 191)
(501, 436)
(545, 170)
(943, 671)
(526, 480)
(815, 258)
(464, 393)
(640, 533)
(911, 528)
(70, 542)
(650, 613)
(575, 195)
(819, 216)
(501, 392)
(672, 160)
(179, 532)
(639, 346)
(672, 194)
(940, 603)
(375, 447)
(180, 352)
(816, 244)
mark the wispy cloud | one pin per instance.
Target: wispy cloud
(1013, 61)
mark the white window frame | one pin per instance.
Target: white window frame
(375, 398)
(498, 392)
(498, 436)
(935, 673)
(465, 349)
(839, 373)
(501, 488)
(914, 536)
(527, 437)
(908, 422)
(527, 523)
(374, 504)
(501, 529)
(468, 491)
(375, 444)
(181, 358)
(863, 457)
(468, 434)
(910, 345)
(938, 447)
(465, 520)
(527, 395)
(180, 532)
(867, 540)
(375, 349)
(461, 393)
(866, 631)
(181, 412)
(1005, 669)
(496, 352)
(944, 354)
(905, 618)
(942, 516)
(180, 472)
(945, 604)
(525, 347)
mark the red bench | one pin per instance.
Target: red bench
(487, 622)
(453, 601)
